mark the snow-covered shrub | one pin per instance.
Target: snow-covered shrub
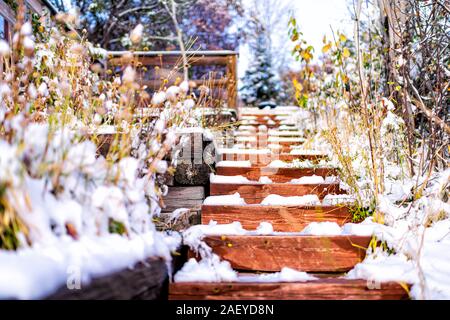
(384, 164)
(54, 106)
(260, 82)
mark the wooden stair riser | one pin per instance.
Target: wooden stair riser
(255, 193)
(265, 117)
(256, 128)
(260, 146)
(304, 253)
(265, 159)
(323, 289)
(278, 175)
(258, 123)
(282, 218)
(264, 135)
(263, 143)
(262, 122)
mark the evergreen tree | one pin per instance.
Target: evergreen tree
(259, 82)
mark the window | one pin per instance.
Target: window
(3, 28)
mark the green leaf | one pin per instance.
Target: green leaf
(116, 227)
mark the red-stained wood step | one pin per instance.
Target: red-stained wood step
(282, 218)
(266, 134)
(322, 289)
(271, 253)
(255, 193)
(283, 149)
(279, 175)
(258, 123)
(264, 159)
(263, 141)
(262, 116)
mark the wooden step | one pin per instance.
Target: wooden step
(261, 119)
(263, 142)
(282, 218)
(269, 133)
(264, 159)
(255, 193)
(275, 149)
(323, 289)
(257, 123)
(289, 127)
(271, 253)
(280, 175)
(264, 116)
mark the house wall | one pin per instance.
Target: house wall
(36, 5)
(7, 19)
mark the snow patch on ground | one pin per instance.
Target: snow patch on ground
(306, 152)
(338, 199)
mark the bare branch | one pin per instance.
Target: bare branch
(428, 112)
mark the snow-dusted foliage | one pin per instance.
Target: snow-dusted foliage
(260, 82)
(62, 204)
(384, 166)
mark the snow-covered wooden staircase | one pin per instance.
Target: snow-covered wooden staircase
(325, 257)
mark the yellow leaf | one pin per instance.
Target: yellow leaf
(298, 86)
(346, 53)
(326, 47)
(307, 56)
(344, 78)
(342, 38)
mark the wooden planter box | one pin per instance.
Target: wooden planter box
(146, 281)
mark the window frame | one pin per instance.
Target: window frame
(5, 28)
(9, 19)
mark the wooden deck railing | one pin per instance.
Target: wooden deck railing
(162, 68)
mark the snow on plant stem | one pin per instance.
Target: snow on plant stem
(54, 186)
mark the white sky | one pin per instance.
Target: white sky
(314, 18)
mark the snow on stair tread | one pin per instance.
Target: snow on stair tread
(255, 193)
(279, 175)
(264, 156)
(282, 218)
(307, 179)
(270, 132)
